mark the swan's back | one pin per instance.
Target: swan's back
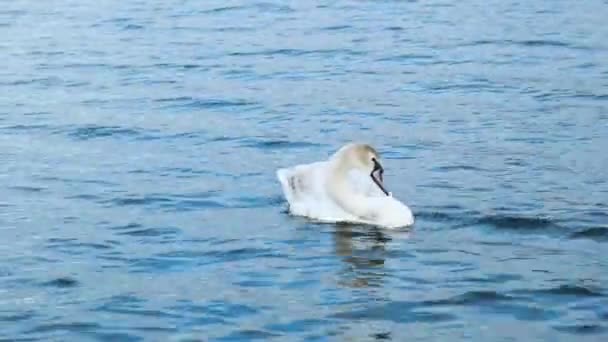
(304, 188)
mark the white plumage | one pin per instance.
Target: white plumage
(345, 188)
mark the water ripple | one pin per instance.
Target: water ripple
(191, 102)
(596, 233)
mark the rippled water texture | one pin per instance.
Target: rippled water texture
(139, 142)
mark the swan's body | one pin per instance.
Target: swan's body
(340, 189)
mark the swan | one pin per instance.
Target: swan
(347, 187)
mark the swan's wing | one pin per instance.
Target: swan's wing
(302, 182)
(362, 183)
(304, 189)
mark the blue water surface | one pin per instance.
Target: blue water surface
(139, 142)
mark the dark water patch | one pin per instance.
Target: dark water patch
(297, 53)
(464, 86)
(129, 226)
(595, 97)
(239, 254)
(248, 335)
(200, 103)
(26, 188)
(45, 82)
(70, 219)
(522, 312)
(152, 232)
(218, 242)
(266, 6)
(472, 298)
(64, 327)
(224, 138)
(63, 282)
(77, 84)
(61, 240)
(439, 185)
(491, 302)
(222, 9)
(185, 135)
(337, 27)
(414, 280)
(113, 336)
(86, 65)
(88, 197)
(16, 316)
(564, 290)
(448, 263)
(406, 57)
(74, 245)
(75, 180)
(255, 283)
(517, 222)
(193, 204)
(217, 308)
(364, 114)
(131, 305)
(537, 43)
(582, 329)
(547, 43)
(184, 254)
(595, 233)
(116, 308)
(439, 216)
(94, 131)
(382, 336)
(207, 320)
(398, 312)
(278, 144)
(449, 168)
(299, 284)
(297, 325)
(130, 27)
(182, 260)
(25, 128)
(138, 201)
(263, 7)
(256, 202)
(492, 279)
(597, 213)
(13, 12)
(178, 66)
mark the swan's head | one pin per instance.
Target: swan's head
(364, 158)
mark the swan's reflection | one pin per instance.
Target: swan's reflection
(363, 248)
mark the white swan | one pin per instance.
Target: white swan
(348, 187)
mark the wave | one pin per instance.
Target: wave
(516, 222)
(207, 103)
(62, 283)
(95, 131)
(565, 290)
(595, 233)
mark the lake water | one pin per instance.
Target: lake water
(139, 142)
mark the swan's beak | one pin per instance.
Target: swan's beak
(377, 176)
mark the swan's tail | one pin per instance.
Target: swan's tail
(283, 175)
